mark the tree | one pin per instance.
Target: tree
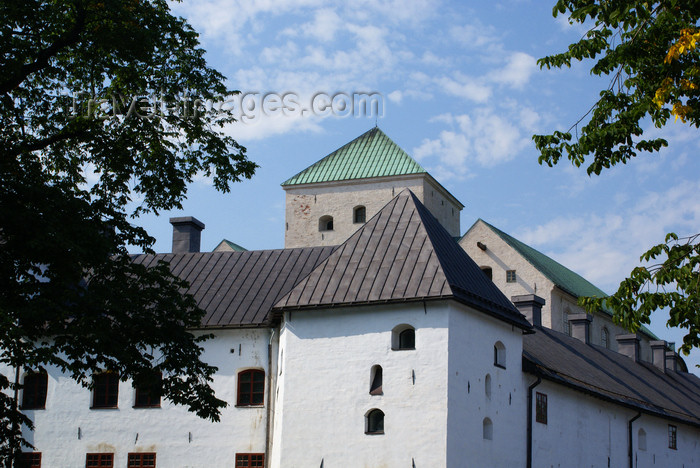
(650, 51)
(119, 89)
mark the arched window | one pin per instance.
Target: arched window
(34, 390)
(642, 439)
(487, 386)
(488, 429)
(375, 379)
(488, 271)
(359, 214)
(251, 388)
(374, 422)
(605, 338)
(325, 223)
(403, 337)
(499, 355)
(105, 392)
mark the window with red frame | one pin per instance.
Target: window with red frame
(101, 460)
(28, 460)
(142, 460)
(250, 460)
(149, 396)
(105, 393)
(34, 390)
(251, 388)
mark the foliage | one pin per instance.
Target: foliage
(70, 297)
(650, 51)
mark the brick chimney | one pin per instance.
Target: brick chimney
(628, 345)
(658, 354)
(187, 234)
(581, 326)
(530, 306)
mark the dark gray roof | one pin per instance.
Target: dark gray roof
(401, 254)
(239, 288)
(615, 377)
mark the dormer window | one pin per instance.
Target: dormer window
(325, 223)
(359, 214)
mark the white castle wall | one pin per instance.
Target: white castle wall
(587, 432)
(68, 429)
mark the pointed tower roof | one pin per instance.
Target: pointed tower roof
(401, 254)
(372, 154)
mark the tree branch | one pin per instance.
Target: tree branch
(44, 55)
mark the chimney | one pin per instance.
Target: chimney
(530, 306)
(628, 345)
(671, 363)
(581, 326)
(187, 233)
(658, 354)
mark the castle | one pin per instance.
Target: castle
(378, 337)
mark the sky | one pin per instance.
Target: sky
(459, 89)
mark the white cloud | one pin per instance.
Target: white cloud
(604, 247)
(517, 70)
(481, 138)
(325, 25)
(465, 87)
(395, 96)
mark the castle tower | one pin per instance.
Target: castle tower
(328, 201)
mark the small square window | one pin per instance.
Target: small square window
(672, 440)
(28, 460)
(541, 408)
(250, 460)
(100, 460)
(142, 460)
(510, 276)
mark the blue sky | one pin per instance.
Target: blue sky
(461, 92)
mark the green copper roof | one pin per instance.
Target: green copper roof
(565, 279)
(372, 154)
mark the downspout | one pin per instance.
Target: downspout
(529, 420)
(630, 452)
(269, 398)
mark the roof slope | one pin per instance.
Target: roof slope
(401, 254)
(238, 289)
(226, 245)
(612, 376)
(372, 154)
(562, 277)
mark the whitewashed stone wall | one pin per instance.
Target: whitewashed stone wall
(587, 432)
(68, 429)
(305, 204)
(326, 359)
(472, 337)
(433, 396)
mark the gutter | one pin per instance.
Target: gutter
(630, 452)
(268, 425)
(529, 420)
